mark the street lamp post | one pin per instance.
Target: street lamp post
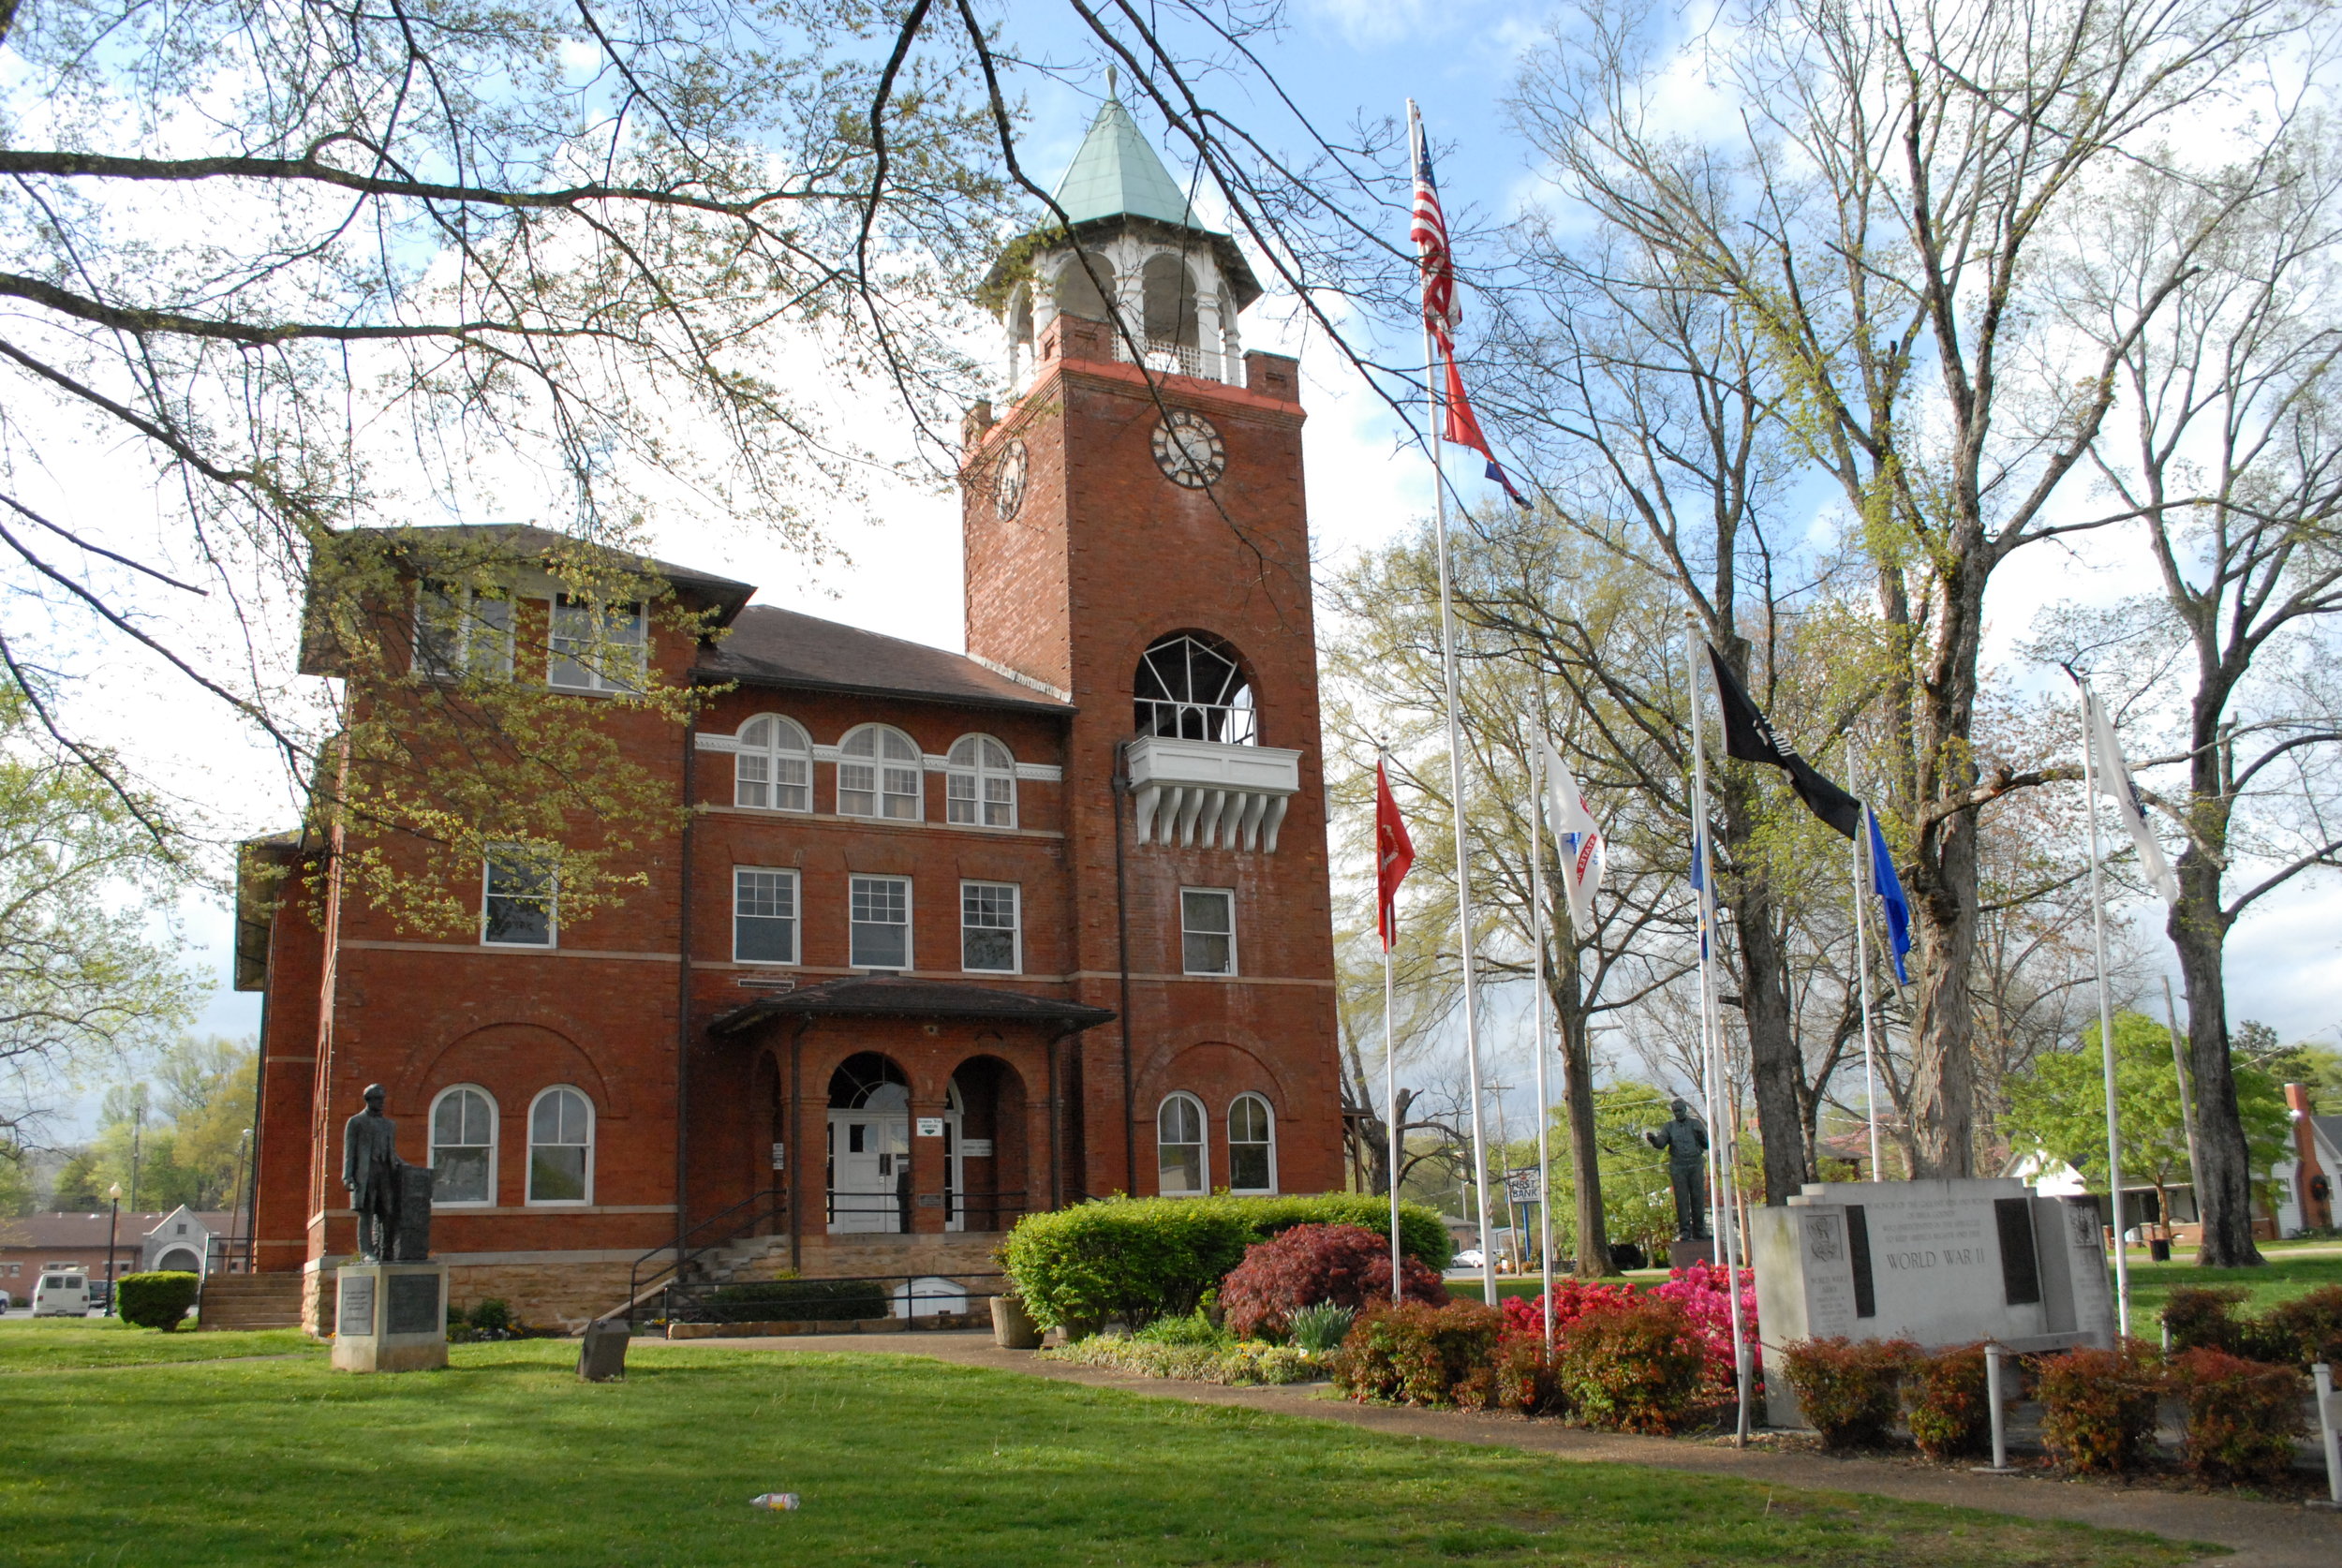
(113, 1301)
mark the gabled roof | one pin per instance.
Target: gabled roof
(1116, 175)
(769, 645)
(84, 1229)
(894, 997)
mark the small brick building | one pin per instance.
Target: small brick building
(945, 940)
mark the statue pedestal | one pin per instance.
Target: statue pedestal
(1683, 1254)
(390, 1317)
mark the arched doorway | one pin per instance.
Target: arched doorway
(987, 1142)
(869, 1147)
(182, 1260)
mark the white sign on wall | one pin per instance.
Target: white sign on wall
(931, 1127)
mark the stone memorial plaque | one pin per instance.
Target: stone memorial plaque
(930, 1200)
(1829, 1308)
(353, 1312)
(414, 1305)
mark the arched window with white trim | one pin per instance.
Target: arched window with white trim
(1183, 1166)
(463, 1146)
(773, 769)
(561, 1148)
(877, 774)
(1252, 1145)
(980, 784)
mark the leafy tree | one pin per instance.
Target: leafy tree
(2059, 1107)
(83, 980)
(2316, 1068)
(189, 1139)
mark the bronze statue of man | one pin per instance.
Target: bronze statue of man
(370, 1171)
(1684, 1142)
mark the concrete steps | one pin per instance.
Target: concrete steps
(251, 1301)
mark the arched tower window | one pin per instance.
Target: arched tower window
(1020, 336)
(1169, 291)
(1078, 293)
(1190, 686)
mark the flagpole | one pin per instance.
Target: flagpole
(1539, 784)
(1434, 407)
(1862, 877)
(2105, 1014)
(1389, 923)
(1711, 1030)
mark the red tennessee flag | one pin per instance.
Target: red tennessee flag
(1393, 852)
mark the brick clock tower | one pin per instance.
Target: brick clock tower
(1137, 545)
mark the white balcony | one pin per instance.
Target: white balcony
(1213, 793)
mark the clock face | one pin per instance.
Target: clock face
(1008, 481)
(1189, 450)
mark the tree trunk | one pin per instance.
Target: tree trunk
(1585, 1156)
(1942, 1139)
(1774, 1061)
(2225, 1203)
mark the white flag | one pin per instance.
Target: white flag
(2114, 781)
(1578, 839)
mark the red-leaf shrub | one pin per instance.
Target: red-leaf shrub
(1519, 1377)
(2200, 1315)
(1637, 1367)
(2243, 1416)
(1701, 1292)
(2304, 1330)
(2098, 1407)
(1849, 1389)
(1949, 1408)
(1347, 1264)
(1415, 1353)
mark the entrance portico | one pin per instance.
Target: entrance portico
(931, 1107)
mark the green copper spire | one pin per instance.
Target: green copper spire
(1117, 172)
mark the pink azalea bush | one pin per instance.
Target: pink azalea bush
(1699, 1290)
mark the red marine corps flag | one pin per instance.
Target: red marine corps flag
(1393, 852)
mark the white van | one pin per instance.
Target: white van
(61, 1294)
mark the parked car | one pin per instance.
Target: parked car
(7, 1302)
(62, 1293)
(1470, 1257)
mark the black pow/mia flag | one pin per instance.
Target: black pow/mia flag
(1750, 738)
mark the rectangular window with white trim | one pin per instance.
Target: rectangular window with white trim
(879, 916)
(519, 897)
(763, 916)
(1207, 931)
(598, 647)
(461, 631)
(990, 933)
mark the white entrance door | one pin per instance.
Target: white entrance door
(870, 1164)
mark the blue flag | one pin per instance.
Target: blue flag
(1889, 890)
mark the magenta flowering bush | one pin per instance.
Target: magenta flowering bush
(1572, 1299)
(1699, 1290)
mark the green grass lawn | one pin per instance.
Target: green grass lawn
(2280, 1279)
(37, 1344)
(507, 1459)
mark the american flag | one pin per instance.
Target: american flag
(1428, 228)
(1427, 225)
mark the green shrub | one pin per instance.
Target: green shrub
(1138, 1259)
(1849, 1389)
(2098, 1407)
(1949, 1408)
(2304, 1330)
(1320, 1330)
(2243, 1416)
(493, 1315)
(1195, 1329)
(793, 1301)
(1632, 1369)
(1417, 1354)
(2205, 1315)
(157, 1300)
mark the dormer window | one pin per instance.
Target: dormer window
(598, 647)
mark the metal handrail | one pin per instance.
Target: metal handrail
(1219, 722)
(685, 1254)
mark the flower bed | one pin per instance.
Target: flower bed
(1241, 1363)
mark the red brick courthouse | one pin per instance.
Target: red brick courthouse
(945, 940)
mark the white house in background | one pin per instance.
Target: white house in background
(182, 1242)
(2309, 1175)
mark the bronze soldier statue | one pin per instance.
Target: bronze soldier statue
(370, 1169)
(1684, 1142)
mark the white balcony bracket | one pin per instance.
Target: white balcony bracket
(1207, 792)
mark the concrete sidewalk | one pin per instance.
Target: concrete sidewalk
(2261, 1535)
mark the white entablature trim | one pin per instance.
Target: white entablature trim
(1221, 796)
(1040, 772)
